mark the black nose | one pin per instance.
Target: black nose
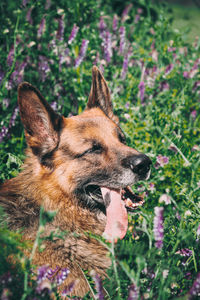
(140, 164)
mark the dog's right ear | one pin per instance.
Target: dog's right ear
(100, 95)
(41, 123)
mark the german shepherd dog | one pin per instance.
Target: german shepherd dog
(81, 168)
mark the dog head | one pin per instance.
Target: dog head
(85, 156)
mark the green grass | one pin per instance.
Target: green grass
(154, 83)
(186, 18)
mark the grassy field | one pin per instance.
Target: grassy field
(153, 74)
(186, 18)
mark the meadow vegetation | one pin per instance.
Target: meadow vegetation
(154, 79)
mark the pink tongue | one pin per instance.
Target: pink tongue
(116, 213)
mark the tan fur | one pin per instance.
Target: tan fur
(54, 167)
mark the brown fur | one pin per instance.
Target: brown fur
(63, 155)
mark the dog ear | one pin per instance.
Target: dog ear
(42, 124)
(100, 95)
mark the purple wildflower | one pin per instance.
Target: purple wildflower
(195, 289)
(161, 161)
(68, 289)
(60, 31)
(10, 56)
(62, 275)
(171, 49)
(42, 273)
(98, 285)
(127, 105)
(5, 130)
(141, 87)
(47, 4)
(108, 46)
(115, 23)
(6, 102)
(158, 226)
(186, 74)
(164, 86)
(136, 19)
(127, 116)
(73, 34)
(122, 39)
(18, 74)
(125, 66)
(133, 292)
(165, 198)
(102, 27)
(196, 85)
(126, 12)
(54, 105)
(152, 187)
(169, 69)
(25, 2)
(28, 16)
(13, 117)
(185, 252)
(52, 272)
(193, 114)
(2, 74)
(43, 67)
(82, 53)
(41, 28)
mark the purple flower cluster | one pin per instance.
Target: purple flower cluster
(195, 289)
(3, 133)
(126, 12)
(184, 252)
(102, 27)
(82, 53)
(106, 37)
(10, 56)
(158, 226)
(61, 28)
(73, 34)
(122, 35)
(108, 46)
(43, 67)
(47, 276)
(98, 285)
(141, 88)
(125, 66)
(133, 292)
(41, 28)
(115, 23)
(5, 130)
(29, 17)
(161, 161)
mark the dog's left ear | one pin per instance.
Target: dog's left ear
(100, 95)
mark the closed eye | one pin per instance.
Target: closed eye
(96, 148)
(121, 137)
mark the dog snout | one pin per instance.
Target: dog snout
(139, 164)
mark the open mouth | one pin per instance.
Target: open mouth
(116, 203)
(132, 201)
